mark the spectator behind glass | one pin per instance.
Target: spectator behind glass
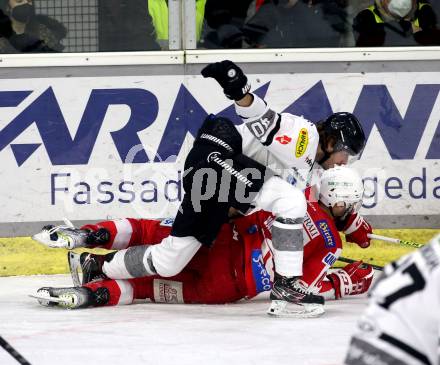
(22, 30)
(158, 11)
(309, 23)
(276, 23)
(396, 23)
(125, 25)
(238, 24)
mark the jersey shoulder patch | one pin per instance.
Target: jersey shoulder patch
(167, 222)
(310, 227)
(265, 127)
(326, 233)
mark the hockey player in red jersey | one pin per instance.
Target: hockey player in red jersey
(238, 266)
(264, 163)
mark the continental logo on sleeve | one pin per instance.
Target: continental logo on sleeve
(301, 144)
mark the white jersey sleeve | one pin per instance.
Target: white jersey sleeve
(401, 324)
(285, 142)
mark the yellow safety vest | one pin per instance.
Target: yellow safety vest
(379, 20)
(158, 10)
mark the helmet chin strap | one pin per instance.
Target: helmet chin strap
(325, 157)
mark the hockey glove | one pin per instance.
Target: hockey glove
(353, 279)
(357, 229)
(230, 77)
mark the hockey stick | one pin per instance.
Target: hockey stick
(394, 240)
(350, 261)
(13, 352)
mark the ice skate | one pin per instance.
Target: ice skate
(85, 267)
(291, 298)
(63, 236)
(71, 298)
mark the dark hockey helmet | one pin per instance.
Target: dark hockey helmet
(345, 133)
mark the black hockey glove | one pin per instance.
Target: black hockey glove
(230, 77)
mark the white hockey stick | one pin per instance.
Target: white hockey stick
(394, 240)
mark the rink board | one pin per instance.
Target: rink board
(92, 143)
(147, 333)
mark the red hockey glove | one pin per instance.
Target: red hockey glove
(353, 279)
(357, 229)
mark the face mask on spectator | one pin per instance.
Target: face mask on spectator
(23, 13)
(396, 9)
(400, 8)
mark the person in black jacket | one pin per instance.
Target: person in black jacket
(238, 24)
(397, 23)
(22, 30)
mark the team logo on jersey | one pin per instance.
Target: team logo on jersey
(284, 139)
(310, 227)
(301, 144)
(167, 222)
(326, 233)
(261, 276)
(167, 291)
(252, 229)
(329, 259)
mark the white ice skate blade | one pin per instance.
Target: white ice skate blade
(48, 298)
(281, 308)
(44, 299)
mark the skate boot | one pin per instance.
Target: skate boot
(292, 298)
(67, 236)
(72, 298)
(63, 236)
(87, 264)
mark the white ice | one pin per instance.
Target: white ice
(148, 333)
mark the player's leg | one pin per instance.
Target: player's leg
(213, 276)
(197, 223)
(288, 205)
(113, 234)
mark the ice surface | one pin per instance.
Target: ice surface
(148, 333)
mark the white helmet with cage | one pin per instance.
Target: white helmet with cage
(341, 184)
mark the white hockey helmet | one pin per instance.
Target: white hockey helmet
(341, 184)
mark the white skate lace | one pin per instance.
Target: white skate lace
(303, 288)
(57, 228)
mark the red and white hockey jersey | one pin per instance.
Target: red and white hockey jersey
(238, 265)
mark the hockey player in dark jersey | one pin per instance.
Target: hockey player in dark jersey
(227, 167)
(238, 266)
(401, 325)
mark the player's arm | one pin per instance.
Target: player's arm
(291, 139)
(356, 230)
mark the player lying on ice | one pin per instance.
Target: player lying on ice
(239, 265)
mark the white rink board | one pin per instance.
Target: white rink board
(147, 333)
(34, 192)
